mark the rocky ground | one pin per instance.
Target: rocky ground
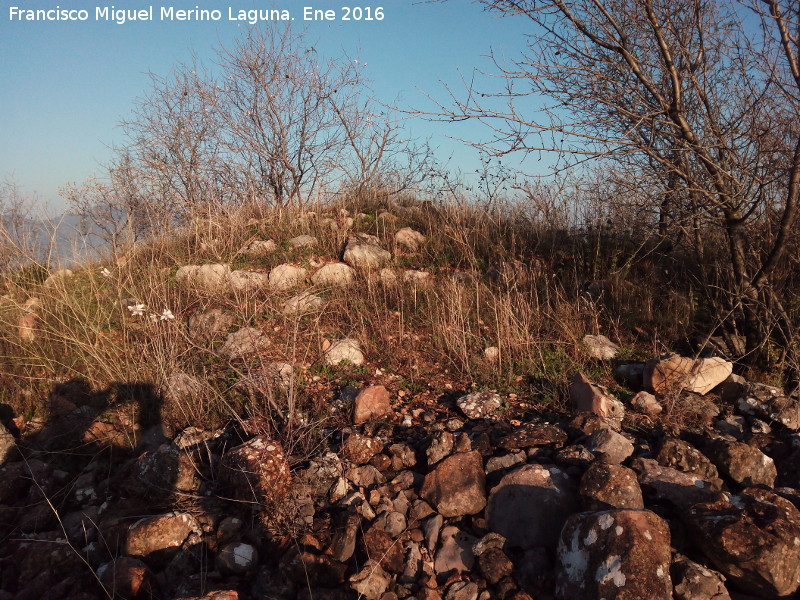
(449, 500)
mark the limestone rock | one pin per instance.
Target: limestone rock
(261, 248)
(334, 275)
(243, 343)
(7, 444)
(359, 449)
(347, 349)
(303, 303)
(382, 548)
(479, 404)
(646, 403)
(302, 241)
(455, 556)
(365, 254)
(665, 483)
(409, 239)
(681, 455)
(183, 388)
(286, 276)
(533, 434)
(752, 537)
(531, 504)
(370, 582)
(491, 354)
(246, 282)
(586, 396)
(210, 325)
(619, 554)
(211, 278)
(769, 403)
(676, 373)
(371, 403)
(456, 486)
(600, 347)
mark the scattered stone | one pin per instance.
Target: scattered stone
(247, 282)
(211, 278)
(261, 248)
(681, 455)
(665, 483)
(366, 254)
(237, 558)
(127, 577)
(58, 276)
(455, 555)
(769, 403)
(302, 241)
(7, 444)
(347, 349)
(286, 276)
(359, 449)
(183, 388)
(456, 486)
(676, 373)
(243, 343)
(210, 325)
(530, 505)
(440, 447)
(495, 565)
(334, 275)
(630, 374)
(619, 554)
(753, 538)
(370, 582)
(586, 396)
(479, 404)
(409, 239)
(491, 354)
(462, 590)
(382, 549)
(388, 277)
(372, 402)
(303, 303)
(416, 277)
(600, 347)
(344, 540)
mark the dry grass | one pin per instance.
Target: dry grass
(498, 278)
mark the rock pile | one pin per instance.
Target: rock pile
(465, 505)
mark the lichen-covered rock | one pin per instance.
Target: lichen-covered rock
(302, 241)
(456, 486)
(609, 446)
(692, 581)
(478, 404)
(681, 455)
(207, 326)
(211, 278)
(256, 471)
(753, 538)
(154, 534)
(605, 486)
(370, 582)
(618, 555)
(359, 449)
(246, 282)
(769, 403)
(665, 483)
(530, 505)
(744, 464)
(533, 434)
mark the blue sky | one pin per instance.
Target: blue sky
(66, 85)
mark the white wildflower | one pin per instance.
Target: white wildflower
(105, 272)
(137, 310)
(167, 315)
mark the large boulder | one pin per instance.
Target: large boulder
(531, 504)
(616, 555)
(456, 486)
(673, 374)
(753, 538)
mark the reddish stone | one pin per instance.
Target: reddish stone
(372, 403)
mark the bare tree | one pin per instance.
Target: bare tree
(688, 97)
